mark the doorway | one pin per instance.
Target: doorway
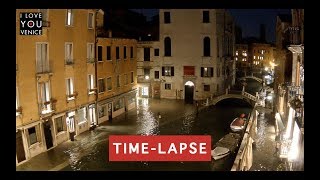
(145, 91)
(188, 92)
(48, 134)
(92, 116)
(110, 111)
(21, 156)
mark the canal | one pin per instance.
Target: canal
(178, 118)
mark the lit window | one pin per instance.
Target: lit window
(70, 92)
(236, 53)
(236, 59)
(167, 71)
(82, 113)
(69, 53)
(44, 97)
(91, 83)
(69, 18)
(254, 57)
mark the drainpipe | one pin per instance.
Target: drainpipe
(96, 64)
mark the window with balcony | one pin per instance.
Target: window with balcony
(44, 97)
(206, 71)
(109, 83)
(90, 52)
(205, 16)
(69, 17)
(117, 52)
(42, 58)
(68, 53)
(206, 46)
(188, 71)
(124, 52)
(60, 125)
(99, 53)
(118, 81)
(146, 54)
(167, 86)
(167, 71)
(156, 75)
(91, 83)
(70, 89)
(206, 87)
(156, 52)
(132, 80)
(167, 46)
(108, 53)
(167, 18)
(101, 85)
(90, 21)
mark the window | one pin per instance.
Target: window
(69, 17)
(125, 79)
(146, 73)
(100, 53)
(44, 97)
(167, 46)
(188, 70)
(131, 52)
(90, 21)
(156, 52)
(206, 87)
(90, 52)
(91, 83)
(45, 19)
(118, 104)
(117, 52)
(254, 57)
(108, 52)
(167, 71)
(102, 111)
(82, 113)
(109, 83)
(167, 19)
(124, 52)
(236, 59)
(33, 135)
(146, 54)
(118, 81)
(206, 71)
(132, 77)
(70, 89)
(205, 16)
(101, 85)
(59, 124)
(42, 58)
(156, 74)
(236, 53)
(167, 86)
(68, 53)
(206, 46)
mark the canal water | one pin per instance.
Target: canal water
(177, 119)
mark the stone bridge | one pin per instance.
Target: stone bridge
(252, 77)
(251, 99)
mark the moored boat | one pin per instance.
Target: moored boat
(238, 123)
(219, 152)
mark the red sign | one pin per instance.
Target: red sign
(160, 148)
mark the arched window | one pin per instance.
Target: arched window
(167, 46)
(206, 46)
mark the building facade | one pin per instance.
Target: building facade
(116, 76)
(241, 58)
(195, 53)
(260, 56)
(290, 104)
(52, 98)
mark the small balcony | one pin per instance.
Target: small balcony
(147, 64)
(90, 60)
(143, 79)
(44, 67)
(69, 62)
(72, 96)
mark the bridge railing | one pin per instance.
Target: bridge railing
(248, 95)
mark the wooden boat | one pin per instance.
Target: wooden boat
(238, 123)
(219, 152)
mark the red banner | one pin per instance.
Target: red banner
(160, 148)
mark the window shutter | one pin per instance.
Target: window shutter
(163, 71)
(211, 72)
(172, 71)
(201, 71)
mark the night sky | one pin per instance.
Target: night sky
(248, 19)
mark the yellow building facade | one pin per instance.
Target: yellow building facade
(55, 97)
(116, 72)
(261, 55)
